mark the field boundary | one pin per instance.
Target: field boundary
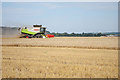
(17, 45)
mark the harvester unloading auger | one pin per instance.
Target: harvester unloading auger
(36, 32)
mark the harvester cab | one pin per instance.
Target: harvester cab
(36, 32)
(43, 30)
(39, 28)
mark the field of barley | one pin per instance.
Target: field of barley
(60, 57)
(70, 42)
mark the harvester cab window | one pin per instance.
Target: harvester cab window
(42, 30)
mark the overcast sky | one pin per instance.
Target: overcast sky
(63, 16)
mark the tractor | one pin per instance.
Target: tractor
(36, 32)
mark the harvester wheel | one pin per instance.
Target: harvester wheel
(38, 36)
(27, 37)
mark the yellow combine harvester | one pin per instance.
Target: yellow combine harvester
(36, 32)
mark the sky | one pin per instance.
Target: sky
(63, 16)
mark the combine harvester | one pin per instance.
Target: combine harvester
(36, 32)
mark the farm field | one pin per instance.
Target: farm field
(69, 42)
(95, 57)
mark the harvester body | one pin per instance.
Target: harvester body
(36, 32)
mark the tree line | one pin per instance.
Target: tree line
(79, 34)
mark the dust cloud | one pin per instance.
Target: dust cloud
(8, 32)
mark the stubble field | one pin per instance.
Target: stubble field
(74, 57)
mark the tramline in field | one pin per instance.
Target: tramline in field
(36, 32)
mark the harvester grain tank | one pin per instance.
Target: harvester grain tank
(37, 31)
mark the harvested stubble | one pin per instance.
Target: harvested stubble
(69, 42)
(51, 62)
